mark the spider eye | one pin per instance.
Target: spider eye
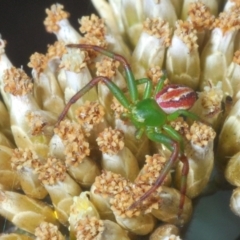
(176, 97)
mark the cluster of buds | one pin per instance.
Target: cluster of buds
(88, 173)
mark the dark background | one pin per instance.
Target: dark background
(21, 25)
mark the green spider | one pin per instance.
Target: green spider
(151, 114)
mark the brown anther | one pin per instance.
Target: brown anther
(24, 158)
(228, 20)
(52, 172)
(186, 32)
(38, 62)
(36, 123)
(56, 50)
(201, 134)
(89, 228)
(68, 131)
(107, 67)
(158, 28)
(54, 15)
(150, 171)
(17, 82)
(92, 25)
(200, 16)
(110, 141)
(155, 73)
(47, 231)
(109, 184)
(76, 151)
(90, 114)
(180, 126)
(118, 109)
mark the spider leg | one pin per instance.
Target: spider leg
(129, 74)
(172, 140)
(111, 85)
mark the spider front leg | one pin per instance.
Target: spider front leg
(172, 140)
(112, 86)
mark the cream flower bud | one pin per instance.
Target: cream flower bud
(168, 207)
(48, 231)
(184, 68)
(230, 83)
(47, 91)
(218, 51)
(151, 46)
(165, 232)
(209, 106)
(229, 137)
(235, 201)
(24, 162)
(77, 76)
(57, 22)
(31, 126)
(160, 8)
(232, 171)
(94, 228)
(8, 178)
(199, 153)
(60, 186)
(115, 156)
(25, 212)
(76, 150)
(81, 208)
(106, 186)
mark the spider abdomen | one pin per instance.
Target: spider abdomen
(148, 113)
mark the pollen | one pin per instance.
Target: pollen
(47, 231)
(54, 15)
(180, 126)
(76, 151)
(94, 31)
(90, 114)
(36, 123)
(89, 228)
(107, 67)
(38, 62)
(74, 62)
(68, 131)
(109, 184)
(158, 28)
(56, 50)
(24, 158)
(150, 171)
(186, 32)
(110, 141)
(118, 109)
(211, 101)
(17, 82)
(200, 16)
(201, 134)
(229, 20)
(92, 25)
(155, 73)
(52, 172)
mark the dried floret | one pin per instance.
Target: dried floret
(48, 231)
